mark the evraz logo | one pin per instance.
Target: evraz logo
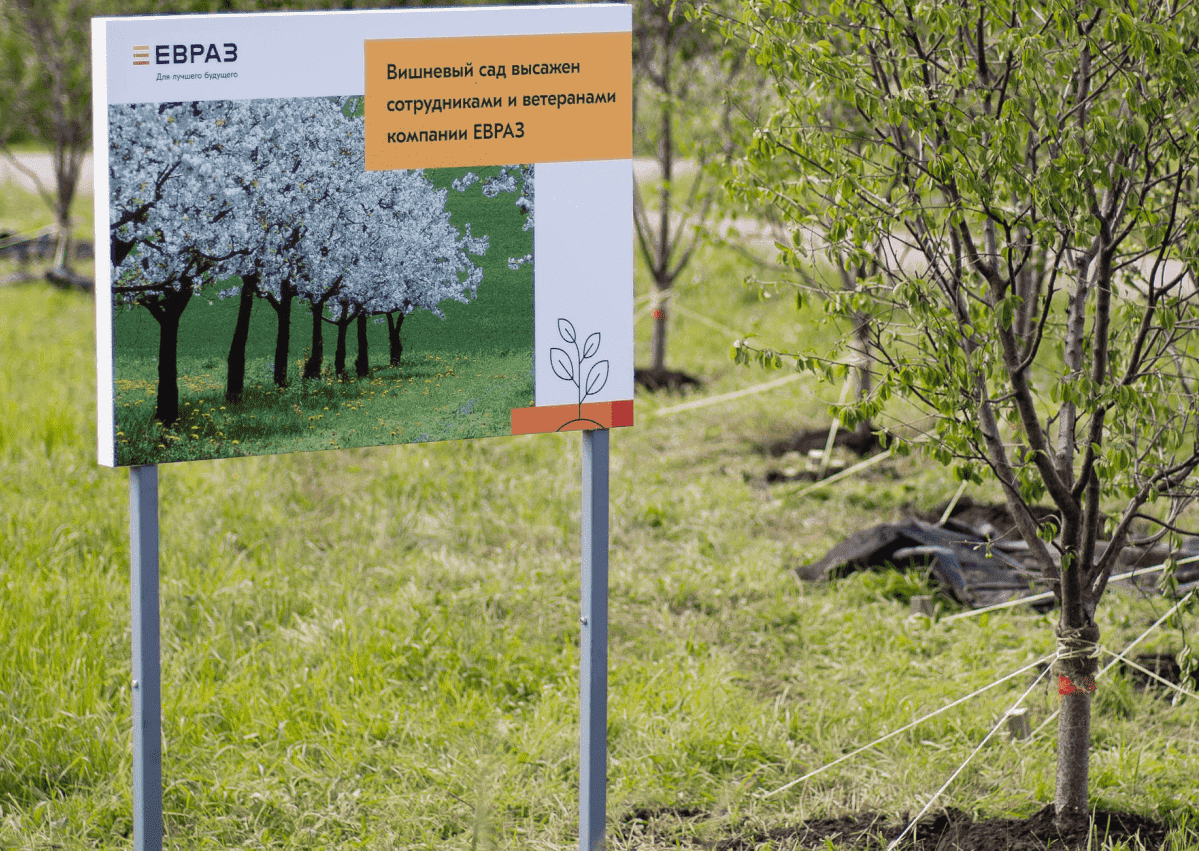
(185, 54)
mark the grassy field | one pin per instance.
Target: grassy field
(377, 648)
(461, 376)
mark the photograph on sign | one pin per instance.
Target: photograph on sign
(359, 229)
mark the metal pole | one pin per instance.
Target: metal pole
(147, 688)
(593, 710)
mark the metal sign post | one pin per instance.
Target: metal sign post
(147, 675)
(593, 662)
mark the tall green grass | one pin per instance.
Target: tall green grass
(377, 648)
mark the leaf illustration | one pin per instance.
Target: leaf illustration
(591, 346)
(566, 330)
(597, 377)
(563, 366)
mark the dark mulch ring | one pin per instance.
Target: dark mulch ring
(810, 446)
(950, 830)
(671, 380)
(814, 440)
(955, 831)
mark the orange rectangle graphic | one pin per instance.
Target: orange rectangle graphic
(548, 418)
(497, 100)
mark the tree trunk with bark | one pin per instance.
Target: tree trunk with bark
(167, 311)
(1076, 684)
(362, 366)
(282, 308)
(660, 270)
(339, 354)
(394, 345)
(657, 346)
(235, 375)
(316, 357)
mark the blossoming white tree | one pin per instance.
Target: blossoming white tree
(285, 178)
(171, 225)
(276, 194)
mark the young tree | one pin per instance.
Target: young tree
(688, 94)
(47, 91)
(1019, 188)
(46, 88)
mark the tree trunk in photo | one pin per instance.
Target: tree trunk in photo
(168, 312)
(362, 365)
(394, 344)
(235, 376)
(339, 354)
(282, 334)
(316, 358)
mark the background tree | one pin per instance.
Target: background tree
(46, 77)
(46, 86)
(1018, 189)
(683, 111)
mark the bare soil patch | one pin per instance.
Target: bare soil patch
(670, 380)
(949, 830)
(814, 440)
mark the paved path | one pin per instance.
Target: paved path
(41, 165)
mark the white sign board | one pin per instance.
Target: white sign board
(327, 230)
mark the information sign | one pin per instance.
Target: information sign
(329, 230)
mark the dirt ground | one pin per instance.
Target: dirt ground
(949, 830)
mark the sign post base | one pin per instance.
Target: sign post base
(593, 710)
(147, 673)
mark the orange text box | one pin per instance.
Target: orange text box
(440, 102)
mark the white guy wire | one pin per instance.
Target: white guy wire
(711, 323)
(727, 397)
(1150, 673)
(844, 474)
(952, 504)
(1049, 594)
(1118, 656)
(960, 768)
(907, 727)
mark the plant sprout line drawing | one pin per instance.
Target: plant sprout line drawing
(572, 370)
